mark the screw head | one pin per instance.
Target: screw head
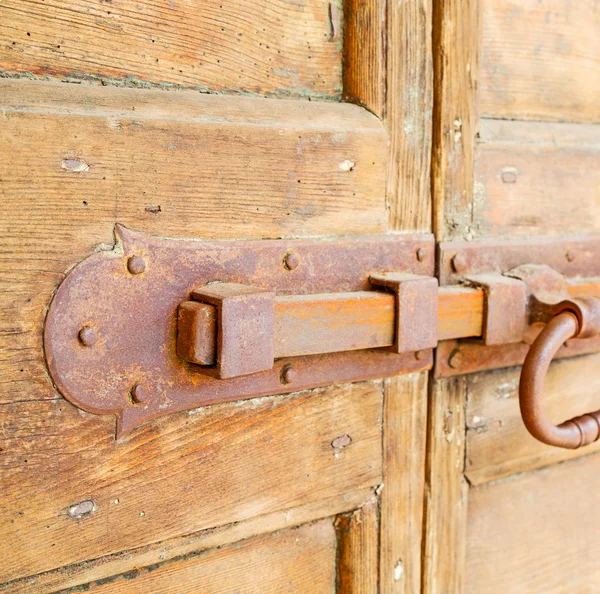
(136, 265)
(88, 336)
(456, 359)
(288, 374)
(420, 355)
(459, 262)
(421, 254)
(570, 256)
(138, 394)
(291, 261)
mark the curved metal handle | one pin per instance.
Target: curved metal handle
(576, 319)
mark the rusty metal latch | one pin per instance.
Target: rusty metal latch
(157, 325)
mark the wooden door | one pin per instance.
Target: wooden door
(229, 119)
(516, 137)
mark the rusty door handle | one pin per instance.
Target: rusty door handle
(576, 318)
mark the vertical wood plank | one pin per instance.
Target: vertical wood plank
(358, 549)
(455, 39)
(388, 69)
(404, 440)
(446, 490)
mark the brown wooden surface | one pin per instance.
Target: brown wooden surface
(498, 444)
(184, 473)
(536, 532)
(446, 490)
(533, 178)
(106, 566)
(300, 560)
(539, 60)
(257, 46)
(358, 549)
(404, 442)
(455, 119)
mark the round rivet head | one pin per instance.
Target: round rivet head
(291, 261)
(421, 254)
(456, 359)
(88, 336)
(288, 374)
(138, 393)
(459, 263)
(420, 355)
(136, 265)
(570, 256)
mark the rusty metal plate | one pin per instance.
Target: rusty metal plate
(110, 332)
(578, 256)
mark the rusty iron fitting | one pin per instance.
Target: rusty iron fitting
(575, 318)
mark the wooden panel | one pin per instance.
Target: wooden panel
(125, 561)
(303, 559)
(446, 489)
(184, 473)
(536, 533)
(498, 444)
(358, 549)
(536, 179)
(404, 447)
(261, 46)
(540, 60)
(388, 69)
(170, 163)
(455, 39)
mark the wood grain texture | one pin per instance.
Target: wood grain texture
(456, 28)
(540, 60)
(498, 444)
(300, 560)
(78, 159)
(358, 549)
(182, 474)
(536, 179)
(79, 574)
(446, 490)
(404, 443)
(273, 47)
(536, 533)
(388, 70)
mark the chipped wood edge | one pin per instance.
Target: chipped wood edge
(456, 38)
(107, 566)
(446, 490)
(404, 443)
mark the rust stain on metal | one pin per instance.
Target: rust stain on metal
(136, 319)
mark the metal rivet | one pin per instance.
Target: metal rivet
(136, 265)
(291, 261)
(88, 336)
(459, 262)
(456, 359)
(570, 256)
(420, 355)
(421, 254)
(138, 394)
(288, 374)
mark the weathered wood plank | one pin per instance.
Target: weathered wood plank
(388, 69)
(184, 473)
(106, 566)
(271, 47)
(540, 60)
(456, 29)
(536, 179)
(78, 159)
(446, 490)
(536, 533)
(358, 549)
(302, 559)
(498, 444)
(404, 450)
